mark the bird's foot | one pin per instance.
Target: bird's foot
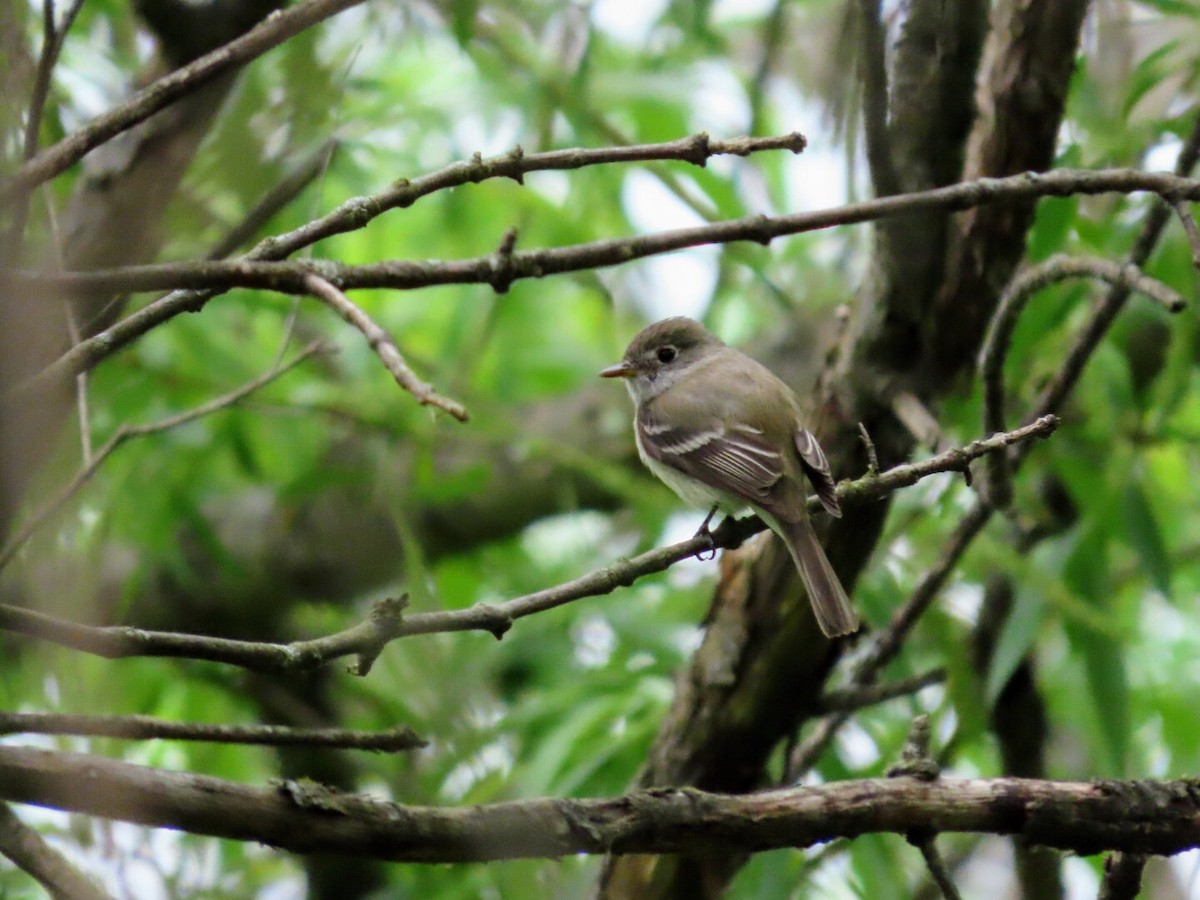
(706, 533)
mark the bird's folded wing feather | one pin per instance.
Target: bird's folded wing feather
(732, 459)
(816, 466)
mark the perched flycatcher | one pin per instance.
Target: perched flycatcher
(722, 431)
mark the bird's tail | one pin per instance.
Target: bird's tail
(830, 604)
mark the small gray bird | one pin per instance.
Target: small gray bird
(722, 431)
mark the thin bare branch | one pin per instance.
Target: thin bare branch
(938, 870)
(147, 728)
(29, 851)
(383, 346)
(854, 698)
(1141, 816)
(53, 36)
(271, 32)
(387, 622)
(869, 447)
(956, 459)
(127, 432)
(1189, 228)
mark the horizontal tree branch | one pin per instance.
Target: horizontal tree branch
(146, 728)
(1082, 817)
(387, 621)
(271, 32)
(357, 212)
(500, 270)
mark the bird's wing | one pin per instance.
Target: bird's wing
(735, 460)
(816, 467)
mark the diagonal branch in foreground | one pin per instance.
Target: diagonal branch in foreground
(1082, 817)
(387, 622)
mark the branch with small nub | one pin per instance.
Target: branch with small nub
(388, 622)
(288, 277)
(304, 817)
(917, 761)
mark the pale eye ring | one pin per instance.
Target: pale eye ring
(666, 354)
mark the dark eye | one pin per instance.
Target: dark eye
(666, 354)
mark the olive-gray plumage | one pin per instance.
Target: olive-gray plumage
(720, 429)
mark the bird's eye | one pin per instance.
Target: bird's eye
(666, 354)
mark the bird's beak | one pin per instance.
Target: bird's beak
(620, 370)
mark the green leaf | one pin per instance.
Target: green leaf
(1053, 222)
(1108, 687)
(1186, 8)
(462, 20)
(1016, 640)
(1149, 74)
(1144, 534)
